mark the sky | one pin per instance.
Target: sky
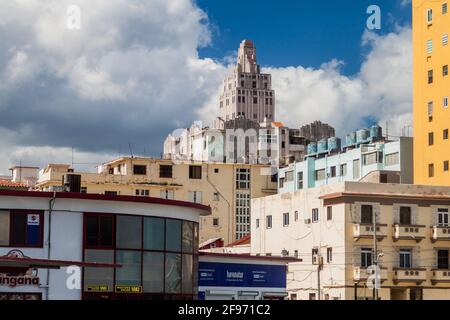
(136, 70)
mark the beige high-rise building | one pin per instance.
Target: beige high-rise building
(332, 229)
(247, 92)
(227, 188)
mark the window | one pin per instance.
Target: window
(243, 178)
(446, 165)
(405, 258)
(445, 102)
(173, 273)
(92, 275)
(343, 170)
(430, 109)
(430, 76)
(356, 169)
(255, 100)
(430, 138)
(405, 216)
(392, 159)
(320, 174)
(445, 39)
(83, 190)
(142, 193)
(130, 272)
(366, 214)
(269, 222)
(111, 193)
(216, 170)
(165, 171)
(257, 223)
(430, 15)
(444, 8)
(442, 259)
(215, 222)
(443, 217)
(429, 46)
(289, 176)
(99, 231)
(216, 196)
(370, 158)
(173, 235)
(312, 296)
(300, 180)
(445, 134)
(445, 70)
(153, 233)
(281, 183)
(329, 213)
(167, 194)
(139, 170)
(366, 257)
(333, 171)
(431, 170)
(195, 196)
(315, 215)
(195, 172)
(296, 216)
(21, 228)
(286, 219)
(153, 268)
(329, 255)
(242, 214)
(128, 232)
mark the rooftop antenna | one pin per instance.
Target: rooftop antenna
(131, 150)
(72, 158)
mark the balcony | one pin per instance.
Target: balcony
(362, 273)
(440, 275)
(440, 233)
(366, 231)
(409, 232)
(417, 275)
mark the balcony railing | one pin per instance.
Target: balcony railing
(417, 275)
(440, 275)
(363, 273)
(366, 231)
(409, 232)
(440, 233)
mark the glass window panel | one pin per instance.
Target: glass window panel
(173, 273)
(195, 274)
(153, 233)
(173, 235)
(92, 231)
(129, 231)
(4, 228)
(188, 265)
(188, 236)
(99, 276)
(153, 272)
(19, 222)
(106, 231)
(130, 272)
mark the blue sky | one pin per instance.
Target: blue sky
(304, 32)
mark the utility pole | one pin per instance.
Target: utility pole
(375, 251)
(319, 268)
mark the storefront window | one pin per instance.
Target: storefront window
(99, 279)
(188, 236)
(173, 235)
(173, 273)
(153, 234)
(153, 268)
(99, 231)
(187, 273)
(130, 272)
(129, 231)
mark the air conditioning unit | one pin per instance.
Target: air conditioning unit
(307, 221)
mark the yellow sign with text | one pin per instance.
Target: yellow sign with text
(128, 289)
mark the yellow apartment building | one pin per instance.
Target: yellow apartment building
(431, 26)
(331, 228)
(227, 188)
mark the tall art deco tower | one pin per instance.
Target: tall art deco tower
(247, 92)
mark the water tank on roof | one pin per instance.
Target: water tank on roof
(376, 132)
(322, 146)
(350, 139)
(312, 148)
(362, 135)
(334, 144)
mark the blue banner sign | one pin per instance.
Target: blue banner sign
(241, 275)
